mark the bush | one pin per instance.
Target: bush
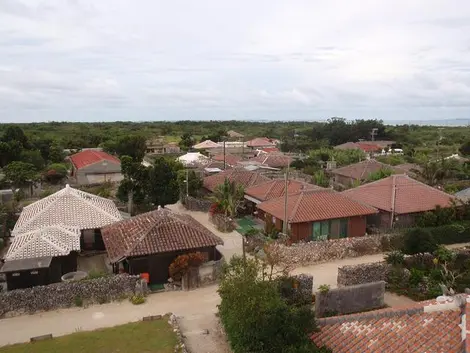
(452, 233)
(395, 258)
(418, 241)
(180, 266)
(255, 316)
(137, 299)
(96, 274)
(78, 301)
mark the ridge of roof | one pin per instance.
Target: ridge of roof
(295, 208)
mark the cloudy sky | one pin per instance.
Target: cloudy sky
(106, 60)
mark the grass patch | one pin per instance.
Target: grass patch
(138, 337)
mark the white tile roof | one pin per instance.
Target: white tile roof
(68, 207)
(56, 240)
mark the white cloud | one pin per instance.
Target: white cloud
(300, 59)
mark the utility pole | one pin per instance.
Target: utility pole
(187, 182)
(374, 133)
(224, 155)
(394, 197)
(286, 185)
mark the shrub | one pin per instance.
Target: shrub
(78, 301)
(416, 276)
(324, 288)
(419, 240)
(452, 233)
(137, 299)
(248, 301)
(180, 266)
(395, 258)
(96, 274)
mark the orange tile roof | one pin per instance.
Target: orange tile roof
(403, 331)
(158, 231)
(239, 175)
(361, 170)
(273, 160)
(276, 188)
(410, 195)
(315, 205)
(230, 159)
(85, 158)
(260, 142)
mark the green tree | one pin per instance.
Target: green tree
(229, 197)
(249, 300)
(15, 133)
(21, 174)
(465, 148)
(321, 179)
(55, 173)
(435, 171)
(380, 174)
(419, 240)
(133, 146)
(194, 182)
(186, 142)
(56, 153)
(9, 152)
(33, 157)
(163, 188)
(132, 188)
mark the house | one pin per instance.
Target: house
(431, 326)
(463, 195)
(239, 175)
(273, 160)
(148, 243)
(366, 146)
(59, 226)
(230, 159)
(399, 200)
(234, 135)
(348, 176)
(158, 146)
(260, 142)
(193, 160)
(318, 215)
(273, 189)
(207, 144)
(95, 167)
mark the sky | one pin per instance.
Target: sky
(145, 60)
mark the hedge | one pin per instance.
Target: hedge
(458, 232)
(452, 233)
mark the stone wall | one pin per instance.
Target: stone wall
(362, 273)
(351, 299)
(302, 254)
(209, 272)
(222, 223)
(301, 293)
(67, 294)
(195, 204)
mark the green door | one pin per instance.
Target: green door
(343, 228)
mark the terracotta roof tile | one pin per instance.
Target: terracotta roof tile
(410, 195)
(398, 331)
(260, 142)
(361, 170)
(273, 160)
(315, 205)
(276, 188)
(239, 175)
(85, 158)
(155, 232)
(230, 159)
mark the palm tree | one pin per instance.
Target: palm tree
(434, 172)
(229, 196)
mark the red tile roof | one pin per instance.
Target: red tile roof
(276, 188)
(230, 159)
(361, 170)
(398, 331)
(155, 232)
(270, 149)
(273, 160)
(85, 158)
(368, 147)
(410, 195)
(260, 142)
(239, 175)
(315, 205)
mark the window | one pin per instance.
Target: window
(321, 230)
